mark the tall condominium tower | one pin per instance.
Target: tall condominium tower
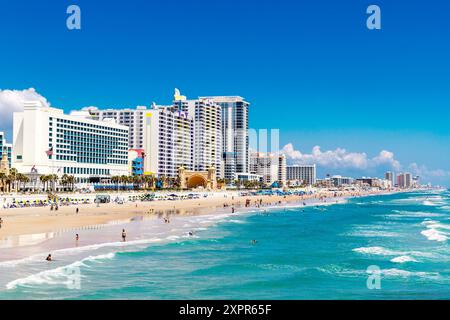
(132, 118)
(389, 176)
(47, 141)
(234, 134)
(168, 141)
(207, 133)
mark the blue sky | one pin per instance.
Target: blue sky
(310, 68)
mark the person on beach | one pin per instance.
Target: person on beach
(77, 210)
(124, 235)
(77, 237)
(49, 257)
(232, 209)
(1, 222)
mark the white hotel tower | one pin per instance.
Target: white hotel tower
(168, 138)
(207, 133)
(234, 133)
(47, 141)
(132, 118)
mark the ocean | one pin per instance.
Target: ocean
(321, 252)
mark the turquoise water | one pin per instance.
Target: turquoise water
(301, 253)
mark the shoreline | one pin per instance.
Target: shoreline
(26, 228)
(37, 220)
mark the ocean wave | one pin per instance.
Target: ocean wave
(58, 276)
(403, 259)
(372, 233)
(434, 230)
(389, 273)
(393, 272)
(413, 214)
(376, 251)
(78, 250)
(434, 235)
(381, 251)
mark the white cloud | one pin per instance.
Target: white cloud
(423, 171)
(12, 101)
(341, 158)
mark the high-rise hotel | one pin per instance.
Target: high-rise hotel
(207, 132)
(193, 133)
(47, 141)
(168, 141)
(132, 118)
(234, 134)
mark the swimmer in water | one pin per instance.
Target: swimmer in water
(49, 257)
(124, 235)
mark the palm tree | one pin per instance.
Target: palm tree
(22, 179)
(13, 178)
(44, 180)
(64, 181)
(54, 179)
(2, 181)
(71, 181)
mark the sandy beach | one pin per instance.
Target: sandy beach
(39, 220)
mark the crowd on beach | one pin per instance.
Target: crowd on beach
(231, 200)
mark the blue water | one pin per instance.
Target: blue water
(301, 253)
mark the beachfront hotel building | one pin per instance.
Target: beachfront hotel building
(206, 115)
(305, 174)
(340, 181)
(389, 176)
(5, 148)
(404, 180)
(271, 167)
(132, 118)
(47, 141)
(168, 141)
(235, 141)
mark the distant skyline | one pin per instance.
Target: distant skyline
(371, 100)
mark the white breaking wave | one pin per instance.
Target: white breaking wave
(57, 276)
(77, 250)
(403, 259)
(376, 251)
(434, 235)
(387, 252)
(434, 230)
(406, 274)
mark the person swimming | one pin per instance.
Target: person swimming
(254, 242)
(49, 257)
(124, 235)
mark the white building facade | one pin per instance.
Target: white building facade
(234, 134)
(271, 167)
(207, 131)
(47, 141)
(168, 141)
(132, 118)
(305, 174)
